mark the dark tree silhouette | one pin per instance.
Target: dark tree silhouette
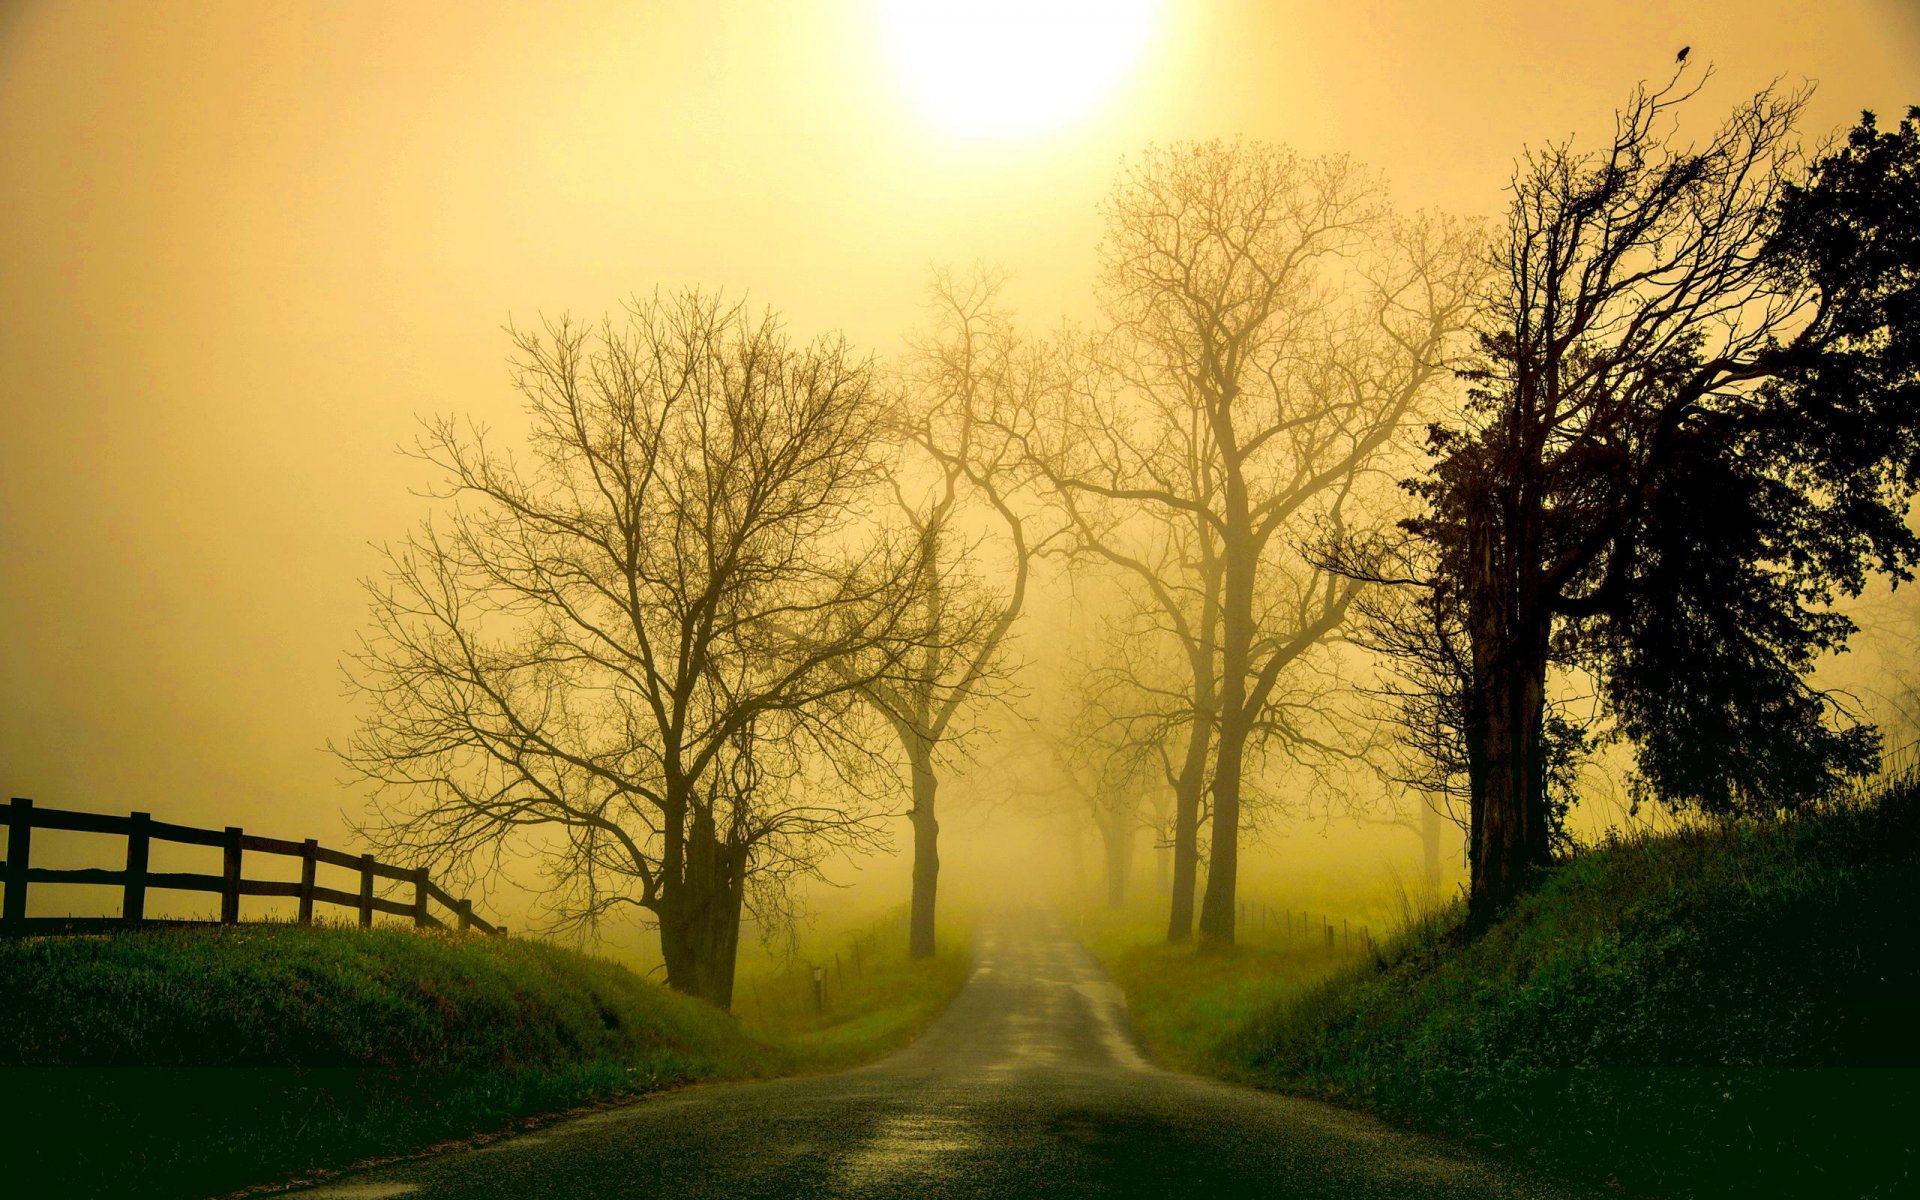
(1693, 425)
(635, 653)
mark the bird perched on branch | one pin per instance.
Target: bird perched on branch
(1682, 56)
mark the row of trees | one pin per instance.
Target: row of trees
(745, 598)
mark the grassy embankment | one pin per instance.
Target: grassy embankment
(1726, 1011)
(874, 998)
(193, 1061)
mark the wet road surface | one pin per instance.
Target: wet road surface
(1031, 1084)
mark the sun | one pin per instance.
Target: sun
(1013, 68)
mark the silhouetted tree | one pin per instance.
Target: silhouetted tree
(636, 650)
(1693, 424)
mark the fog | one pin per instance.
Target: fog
(244, 247)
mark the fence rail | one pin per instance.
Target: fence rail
(135, 880)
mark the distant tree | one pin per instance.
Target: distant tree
(968, 381)
(1273, 329)
(1110, 742)
(634, 652)
(1693, 424)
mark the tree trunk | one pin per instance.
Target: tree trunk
(1186, 832)
(1162, 858)
(700, 915)
(1240, 561)
(1223, 858)
(1509, 632)
(926, 854)
(1119, 839)
(1513, 832)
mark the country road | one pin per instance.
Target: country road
(1031, 1084)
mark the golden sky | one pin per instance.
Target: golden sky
(243, 243)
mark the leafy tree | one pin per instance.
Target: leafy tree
(1693, 425)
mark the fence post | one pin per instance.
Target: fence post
(1329, 929)
(19, 849)
(309, 855)
(420, 897)
(133, 902)
(466, 914)
(230, 879)
(366, 890)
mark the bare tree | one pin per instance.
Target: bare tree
(1111, 748)
(635, 652)
(970, 380)
(1274, 329)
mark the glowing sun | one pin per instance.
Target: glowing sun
(1009, 68)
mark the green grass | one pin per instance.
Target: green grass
(192, 1061)
(875, 998)
(1723, 1012)
(1185, 1003)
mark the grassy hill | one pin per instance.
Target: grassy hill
(1721, 1012)
(184, 1062)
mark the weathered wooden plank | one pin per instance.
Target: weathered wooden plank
(230, 878)
(184, 881)
(337, 858)
(133, 901)
(269, 845)
(308, 852)
(344, 899)
(100, 875)
(191, 835)
(77, 822)
(269, 887)
(366, 890)
(19, 853)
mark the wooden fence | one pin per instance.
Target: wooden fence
(21, 818)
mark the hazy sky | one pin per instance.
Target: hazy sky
(242, 244)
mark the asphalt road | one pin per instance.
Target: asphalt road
(1031, 1084)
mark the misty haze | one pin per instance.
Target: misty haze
(911, 598)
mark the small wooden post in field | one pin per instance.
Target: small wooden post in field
(133, 902)
(309, 862)
(420, 897)
(366, 891)
(466, 914)
(230, 879)
(1329, 929)
(19, 848)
